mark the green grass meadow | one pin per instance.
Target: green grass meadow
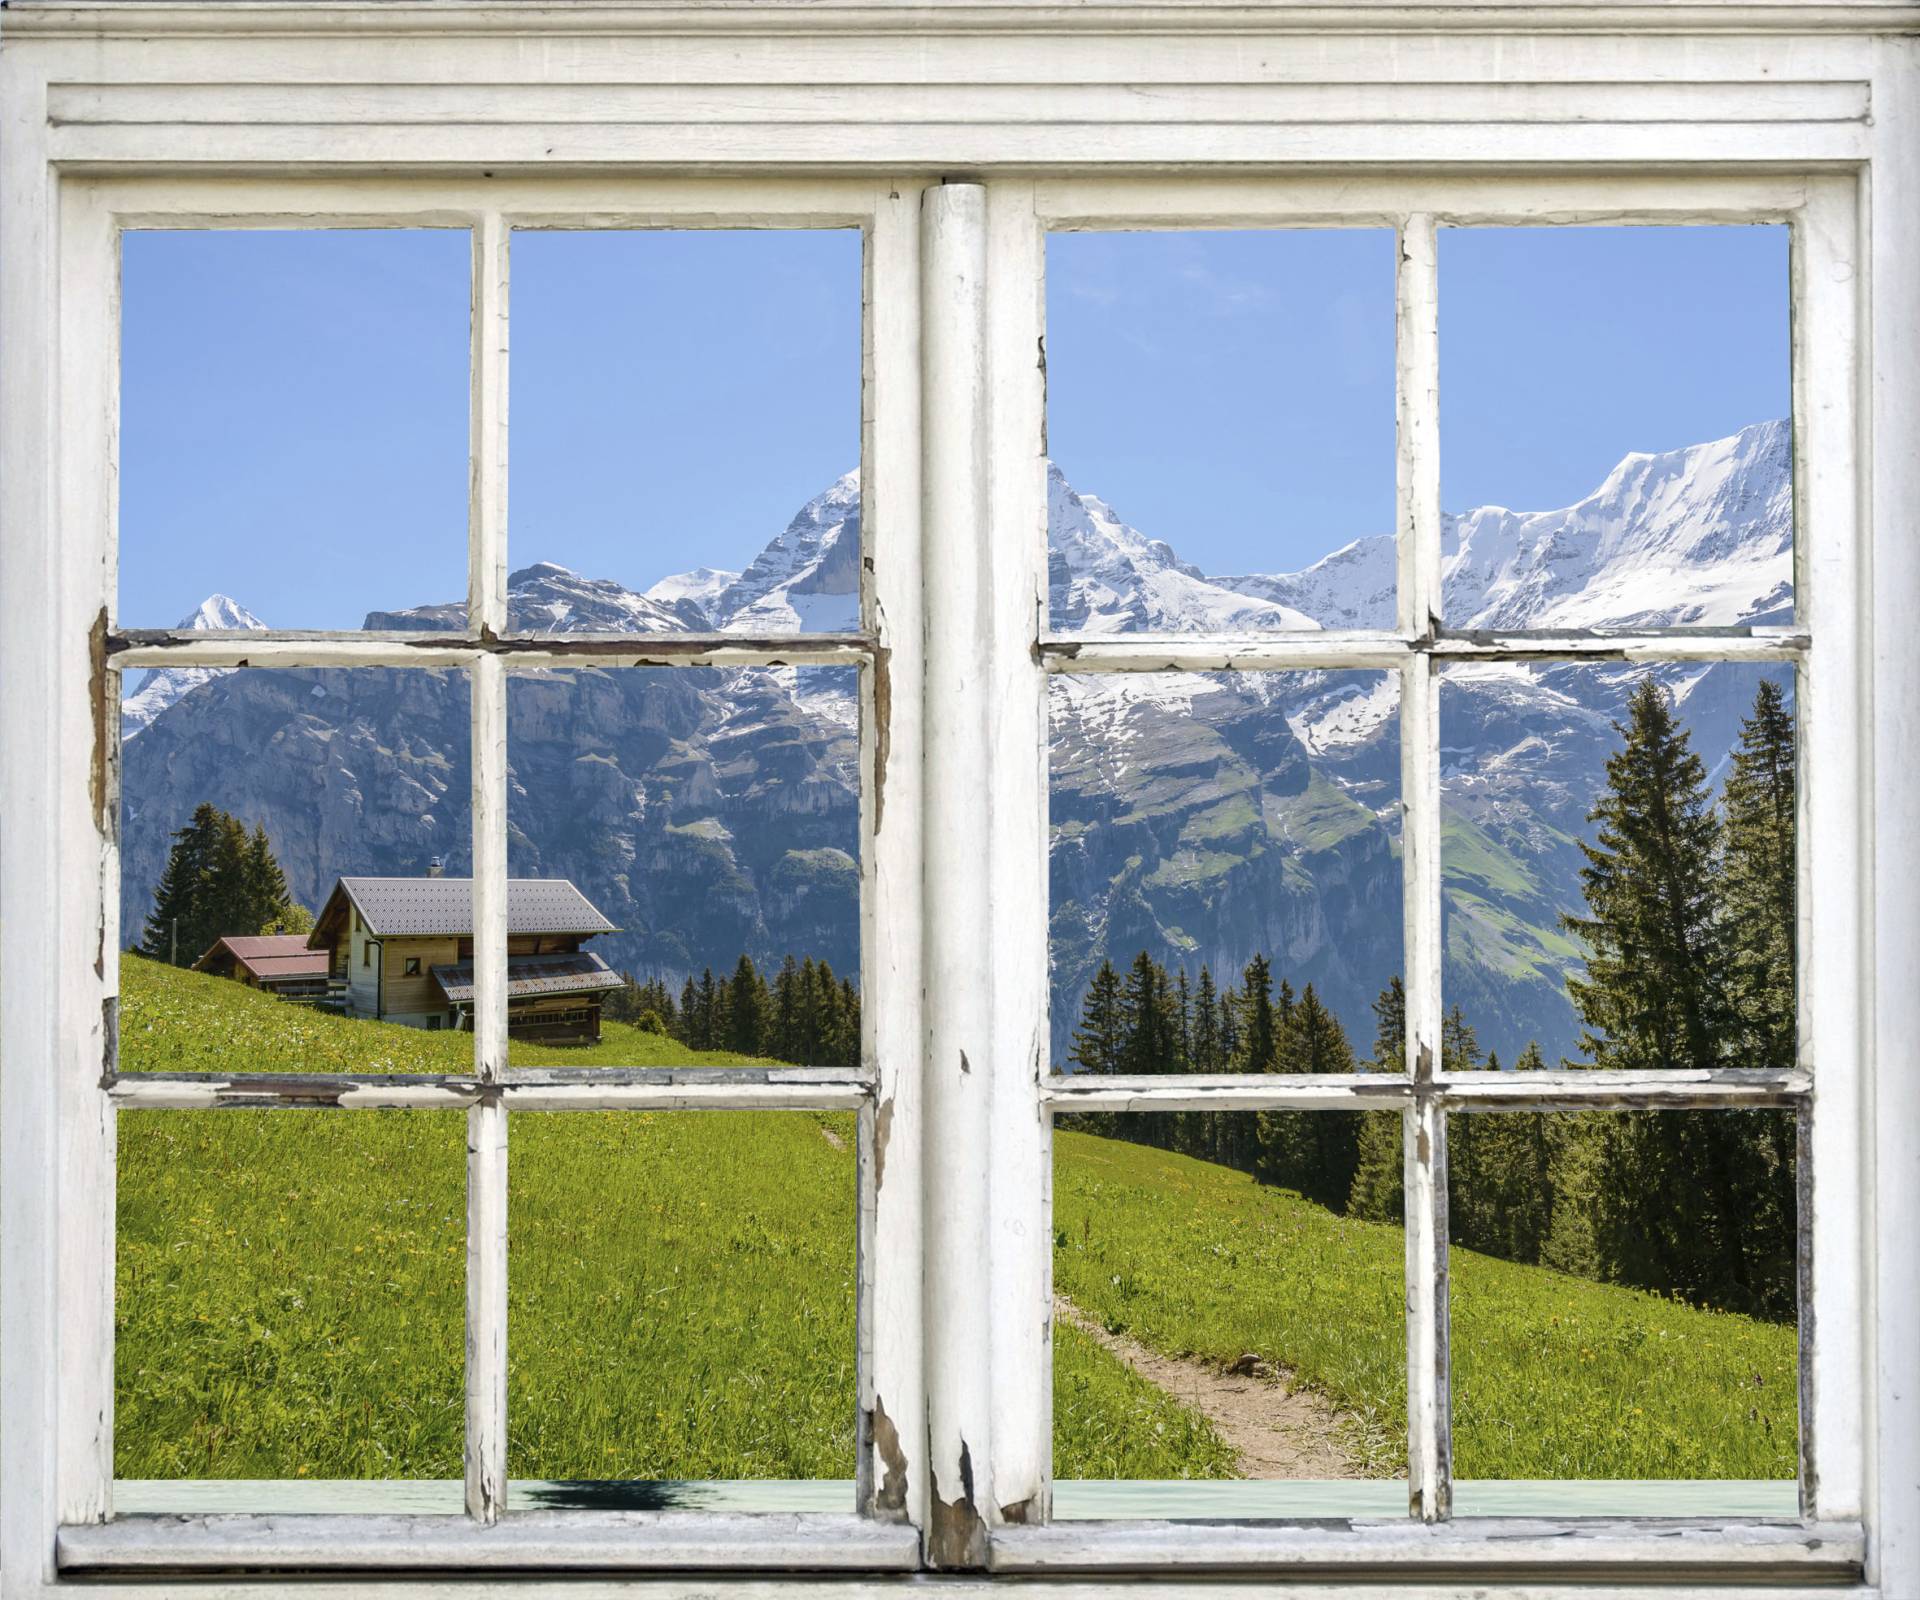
(1554, 1377)
(291, 1286)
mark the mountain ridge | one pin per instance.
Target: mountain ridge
(1199, 817)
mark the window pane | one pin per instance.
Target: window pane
(707, 822)
(1623, 1308)
(290, 1304)
(293, 425)
(682, 1298)
(281, 837)
(1214, 1326)
(1225, 859)
(1627, 392)
(1220, 417)
(1582, 805)
(686, 431)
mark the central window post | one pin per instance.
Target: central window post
(958, 909)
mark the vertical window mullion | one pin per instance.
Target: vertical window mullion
(1835, 818)
(486, 1356)
(957, 907)
(891, 1464)
(1016, 684)
(1417, 344)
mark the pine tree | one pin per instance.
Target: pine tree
(1379, 1176)
(847, 1051)
(1655, 989)
(784, 1024)
(1259, 1033)
(1661, 1200)
(1147, 1018)
(1314, 1152)
(1460, 1052)
(173, 898)
(1758, 881)
(746, 1009)
(707, 1013)
(1206, 1054)
(219, 881)
(688, 1028)
(1100, 1039)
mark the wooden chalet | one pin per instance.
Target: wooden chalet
(401, 950)
(281, 963)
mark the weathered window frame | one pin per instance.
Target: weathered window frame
(591, 115)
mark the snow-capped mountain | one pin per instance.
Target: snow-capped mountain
(549, 598)
(1201, 817)
(702, 586)
(1702, 535)
(217, 613)
(808, 578)
(1106, 577)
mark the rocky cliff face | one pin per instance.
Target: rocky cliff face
(1201, 817)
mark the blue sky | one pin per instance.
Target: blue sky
(294, 409)
(1232, 393)
(294, 405)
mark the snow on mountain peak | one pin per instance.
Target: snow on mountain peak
(808, 579)
(218, 613)
(1107, 577)
(701, 586)
(1696, 536)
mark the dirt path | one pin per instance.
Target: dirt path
(1276, 1431)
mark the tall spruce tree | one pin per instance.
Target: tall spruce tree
(219, 881)
(1758, 898)
(1655, 992)
(1314, 1152)
(1759, 881)
(1662, 1200)
(1101, 1036)
(747, 1008)
(1380, 1161)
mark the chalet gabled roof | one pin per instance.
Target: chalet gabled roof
(398, 907)
(268, 956)
(574, 972)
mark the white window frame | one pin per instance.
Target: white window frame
(488, 115)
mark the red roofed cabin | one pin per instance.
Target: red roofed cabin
(280, 963)
(404, 949)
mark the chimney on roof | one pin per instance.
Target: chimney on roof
(436, 867)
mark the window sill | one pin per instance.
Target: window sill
(1494, 1548)
(539, 1541)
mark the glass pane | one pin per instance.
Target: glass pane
(1225, 871)
(685, 851)
(290, 1304)
(1627, 393)
(1220, 417)
(1623, 1308)
(682, 1297)
(281, 837)
(686, 431)
(1212, 1326)
(293, 426)
(1619, 858)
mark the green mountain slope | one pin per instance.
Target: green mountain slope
(291, 1283)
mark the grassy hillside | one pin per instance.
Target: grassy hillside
(1555, 1377)
(291, 1283)
(291, 1287)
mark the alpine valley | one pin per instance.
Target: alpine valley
(1202, 818)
